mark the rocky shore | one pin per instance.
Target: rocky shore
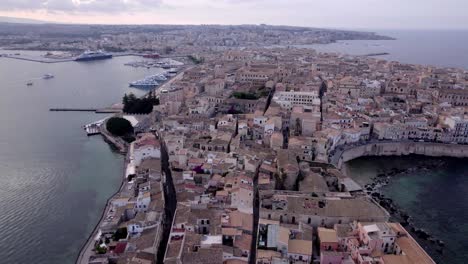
(375, 190)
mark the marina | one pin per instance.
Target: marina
(94, 128)
(149, 82)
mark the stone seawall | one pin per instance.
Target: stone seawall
(399, 149)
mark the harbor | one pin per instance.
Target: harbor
(71, 58)
(95, 110)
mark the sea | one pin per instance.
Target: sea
(54, 180)
(441, 48)
(436, 199)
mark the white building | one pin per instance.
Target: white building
(242, 199)
(143, 201)
(287, 100)
(144, 148)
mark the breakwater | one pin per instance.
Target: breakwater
(398, 149)
(95, 110)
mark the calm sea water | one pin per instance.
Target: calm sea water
(54, 180)
(439, 48)
(437, 200)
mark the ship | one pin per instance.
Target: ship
(159, 77)
(146, 83)
(93, 55)
(47, 76)
(149, 82)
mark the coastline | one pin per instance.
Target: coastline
(120, 146)
(87, 246)
(375, 187)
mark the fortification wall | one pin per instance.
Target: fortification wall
(401, 149)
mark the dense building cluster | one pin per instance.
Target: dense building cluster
(250, 137)
(165, 38)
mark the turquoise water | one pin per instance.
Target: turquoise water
(437, 199)
(54, 180)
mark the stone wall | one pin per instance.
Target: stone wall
(401, 149)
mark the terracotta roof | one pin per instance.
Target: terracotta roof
(243, 242)
(301, 247)
(414, 252)
(327, 235)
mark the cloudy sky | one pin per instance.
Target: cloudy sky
(374, 14)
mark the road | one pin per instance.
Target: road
(170, 206)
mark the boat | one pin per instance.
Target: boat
(93, 55)
(146, 83)
(29, 83)
(171, 72)
(47, 76)
(159, 77)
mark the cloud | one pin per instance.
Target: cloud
(392, 14)
(80, 6)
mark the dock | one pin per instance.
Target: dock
(72, 109)
(376, 54)
(38, 59)
(51, 61)
(95, 110)
(94, 128)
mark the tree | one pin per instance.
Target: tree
(121, 233)
(134, 105)
(118, 126)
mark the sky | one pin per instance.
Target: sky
(347, 14)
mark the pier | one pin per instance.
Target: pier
(38, 59)
(51, 61)
(95, 110)
(376, 54)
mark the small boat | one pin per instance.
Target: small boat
(29, 83)
(47, 76)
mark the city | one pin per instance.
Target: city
(251, 141)
(193, 141)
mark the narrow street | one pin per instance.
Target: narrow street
(256, 204)
(170, 202)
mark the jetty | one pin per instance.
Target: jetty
(375, 54)
(40, 60)
(95, 110)
(70, 59)
(94, 128)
